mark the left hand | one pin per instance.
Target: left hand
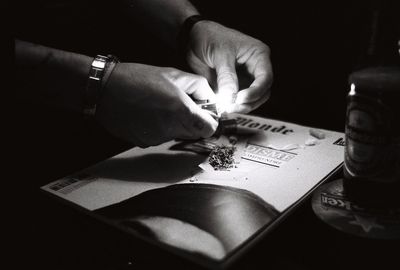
(216, 52)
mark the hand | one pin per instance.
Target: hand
(149, 105)
(215, 52)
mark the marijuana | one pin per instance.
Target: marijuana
(221, 157)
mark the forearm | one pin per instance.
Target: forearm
(59, 77)
(163, 17)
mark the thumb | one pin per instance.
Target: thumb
(197, 121)
(200, 89)
(227, 80)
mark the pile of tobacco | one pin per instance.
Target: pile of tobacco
(221, 157)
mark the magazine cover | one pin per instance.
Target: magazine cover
(207, 199)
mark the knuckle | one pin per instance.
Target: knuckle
(265, 49)
(170, 70)
(170, 73)
(203, 81)
(228, 82)
(226, 72)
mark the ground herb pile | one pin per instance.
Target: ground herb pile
(221, 157)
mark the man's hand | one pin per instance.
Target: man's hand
(149, 105)
(217, 52)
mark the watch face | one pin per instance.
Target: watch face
(99, 62)
(336, 208)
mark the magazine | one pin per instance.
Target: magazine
(178, 196)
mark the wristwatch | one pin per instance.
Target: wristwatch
(99, 72)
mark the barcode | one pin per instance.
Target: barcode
(68, 185)
(65, 183)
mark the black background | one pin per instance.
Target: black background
(315, 45)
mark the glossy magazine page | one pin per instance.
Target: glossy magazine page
(207, 198)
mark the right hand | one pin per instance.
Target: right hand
(148, 105)
(216, 51)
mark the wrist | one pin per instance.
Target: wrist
(101, 69)
(110, 66)
(183, 38)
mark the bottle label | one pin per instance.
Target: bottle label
(370, 152)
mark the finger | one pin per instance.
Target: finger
(248, 107)
(199, 89)
(199, 122)
(202, 69)
(257, 89)
(227, 80)
(240, 108)
(263, 76)
(185, 134)
(178, 130)
(213, 115)
(204, 123)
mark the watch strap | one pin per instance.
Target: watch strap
(98, 76)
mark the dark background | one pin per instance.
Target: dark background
(315, 45)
